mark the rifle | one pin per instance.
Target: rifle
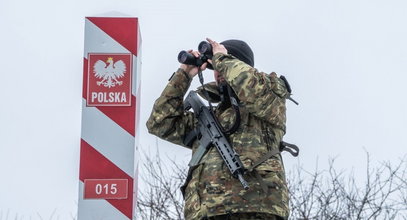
(210, 134)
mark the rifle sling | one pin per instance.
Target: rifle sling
(235, 106)
(290, 148)
(284, 146)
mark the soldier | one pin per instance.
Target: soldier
(210, 191)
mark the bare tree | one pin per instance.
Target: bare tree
(321, 194)
(161, 198)
(330, 194)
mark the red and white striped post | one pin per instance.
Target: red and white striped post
(110, 113)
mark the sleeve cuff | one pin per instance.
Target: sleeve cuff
(187, 76)
(180, 79)
(218, 64)
(180, 73)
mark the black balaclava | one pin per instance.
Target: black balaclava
(240, 50)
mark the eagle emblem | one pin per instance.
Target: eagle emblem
(109, 72)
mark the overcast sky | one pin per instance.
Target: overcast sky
(345, 60)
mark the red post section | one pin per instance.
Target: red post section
(110, 102)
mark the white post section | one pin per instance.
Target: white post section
(110, 114)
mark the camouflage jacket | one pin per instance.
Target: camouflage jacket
(212, 190)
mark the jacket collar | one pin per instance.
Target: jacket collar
(213, 92)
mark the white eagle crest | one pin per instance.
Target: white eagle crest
(110, 73)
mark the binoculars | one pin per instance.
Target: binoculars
(206, 53)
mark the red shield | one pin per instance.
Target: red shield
(109, 79)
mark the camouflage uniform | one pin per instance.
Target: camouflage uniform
(245, 216)
(212, 191)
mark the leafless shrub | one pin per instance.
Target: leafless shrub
(321, 194)
(162, 198)
(8, 215)
(330, 194)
